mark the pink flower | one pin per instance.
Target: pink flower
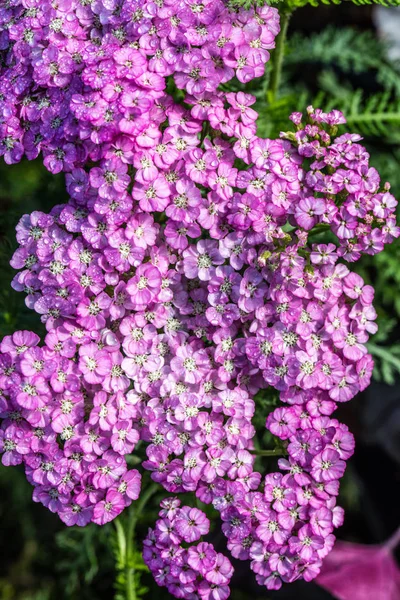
(327, 466)
(308, 211)
(94, 364)
(191, 524)
(144, 286)
(130, 485)
(109, 508)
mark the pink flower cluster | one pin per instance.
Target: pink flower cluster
(186, 274)
(84, 81)
(157, 338)
(45, 414)
(345, 190)
(192, 572)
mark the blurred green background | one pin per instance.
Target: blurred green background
(334, 58)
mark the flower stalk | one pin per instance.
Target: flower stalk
(277, 57)
(126, 541)
(274, 452)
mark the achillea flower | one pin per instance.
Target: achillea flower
(173, 293)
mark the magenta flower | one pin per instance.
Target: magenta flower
(106, 510)
(190, 364)
(111, 179)
(142, 230)
(327, 466)
(94, 364)
(107, 470)
(308, 212)
(221, 572)
(306, 544)
(124, 438)
(19, 342)
(202, 557)
(144, 286)
(191, 524)
(270, 530)
(153, 196)
(32, 393)
(14, 444)
(199, 261)
(130, 485)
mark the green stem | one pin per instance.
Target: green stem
(126, 540)
(277, 57)
(129, 567)
(316, 231)
(275, 452)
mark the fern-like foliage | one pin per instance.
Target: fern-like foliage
(123, 563)
(377, 115)
(373, 116)
(299, 3)
(273, 117)
(127, 559)
(86, 554)
(349, 49)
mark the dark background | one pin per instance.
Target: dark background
(43, 560)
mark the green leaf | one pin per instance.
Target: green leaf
(387, 362)
(349, 49)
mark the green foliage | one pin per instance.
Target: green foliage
(85, 552)
(339, 56)
(273, 117)
(246, 4)
(127, 560)
(316, 3)
(387, 362)
(374, 116)
(351, 50)
(266, 401)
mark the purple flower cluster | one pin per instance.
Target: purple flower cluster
(346, 193)
(185, 275)
(194, 572)
(169, 308)
(83, 479)
(286, 529)
(86, 81)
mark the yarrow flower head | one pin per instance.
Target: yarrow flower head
(186, 570)
(84, 82)
(181, 279)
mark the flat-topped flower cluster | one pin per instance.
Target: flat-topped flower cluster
(82, 81)
(166, 319)
(185, 275)
(186, 569)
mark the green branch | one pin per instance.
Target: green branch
(274, 452)
(126, 541)
(277, 57)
